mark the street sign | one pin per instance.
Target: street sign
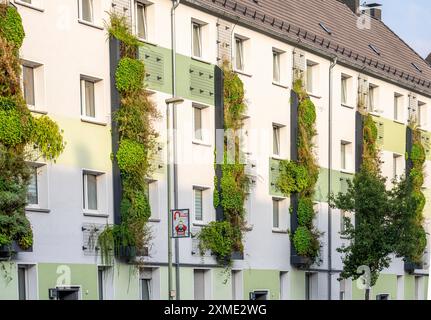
(180, 223)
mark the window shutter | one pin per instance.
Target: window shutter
(299, 65)
(413, 107)
(363, 91)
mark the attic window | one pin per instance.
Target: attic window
(324, 27)
(374, 49)
(416, 67)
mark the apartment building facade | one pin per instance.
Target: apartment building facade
(70, 79)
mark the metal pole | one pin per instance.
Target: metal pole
(168, 153)
(331, 68)
(175, 4)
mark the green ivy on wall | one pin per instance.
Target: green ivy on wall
(301, 176)
(225, 237)
(137, 147)
(23, 138)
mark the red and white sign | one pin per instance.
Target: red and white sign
(180, 223)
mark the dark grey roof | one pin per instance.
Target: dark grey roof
(298, 22)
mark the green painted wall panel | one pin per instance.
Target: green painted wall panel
(196, 77)
(222, 285)
(126, 282)
(8, 281)
(262, 280)
(392, 135)
(84, 275)
(297, 285)
(338, 182)
(387, 284)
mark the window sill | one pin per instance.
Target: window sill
(93, 121)
(347, 172)
(201, 143)
(37, 210)
(90, 24)
(95, 214)
(30, 6)
(347, 106)
(279, 231)
(375, 114)
(36, 110)
(277, 84)
(242, 73)
(277, 157)
(201, 60)
(313, 95)
(399, 121)
(148, 42)
(199, 224)
(154, 220)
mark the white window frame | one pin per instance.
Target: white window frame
(276, 140)
(31, 279)
(398, 107)
(311, 81)
(395, 169)
(42, 188)
(239, 57)
(278, 202)
(98, 99)
(373, 95)
(100, 193)
(276, 66)
(33, 4)
(206, 210)
(38, 85)
(346, 83)
(205, 125)
(81, 13)
(195, 194)
(197, 26)
(346, 157)
(422, 115)
(145, 6)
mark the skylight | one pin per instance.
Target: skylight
(416, 67)
(324, 27)
(372, 47)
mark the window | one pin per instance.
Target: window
(397, 166)
(200, 284)
(422, 114)
(345, 153)
(146, 284)
(197, 39)
(343, 221)
(28, 85)
(237, 288)
(88, 103)
(398, 111)
(90, 191)
(372, 98)
(310, 285)
(283, 285)
(400, 287)
(342, 289)
(141, 20)
(345, 89)
(276, 66)
(22, 283)
(276, 140)
(100, 278)
(32, 190)
(197, 123)
(27, 282)
(198, 205)
(311, 76)
(86, 10)
(276, 213)
(239, 54)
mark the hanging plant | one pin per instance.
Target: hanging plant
(301, 176)
(137, 147)
(19, 133)
(225, 237)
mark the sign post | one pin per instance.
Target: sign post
(180, 223)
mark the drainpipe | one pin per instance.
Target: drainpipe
(331, 69)
(173, 113)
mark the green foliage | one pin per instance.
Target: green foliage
(305, 212)
(217, 237)
(417, 154)
(19, 132)
(137, 143)
(118, 28)
(130, 75)
(11, 26)
(305, 242)
(293, 178)
(105, 242)
(47, 137)
(130, 156)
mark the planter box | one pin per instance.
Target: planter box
(237, 255)
(130, 254)
(410, 267)
(9, 251)
(300, 262)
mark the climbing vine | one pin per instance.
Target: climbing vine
(137, 147)
(301, 176)
(225, 237)
(23, 137)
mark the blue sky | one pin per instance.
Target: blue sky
(411, 20)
